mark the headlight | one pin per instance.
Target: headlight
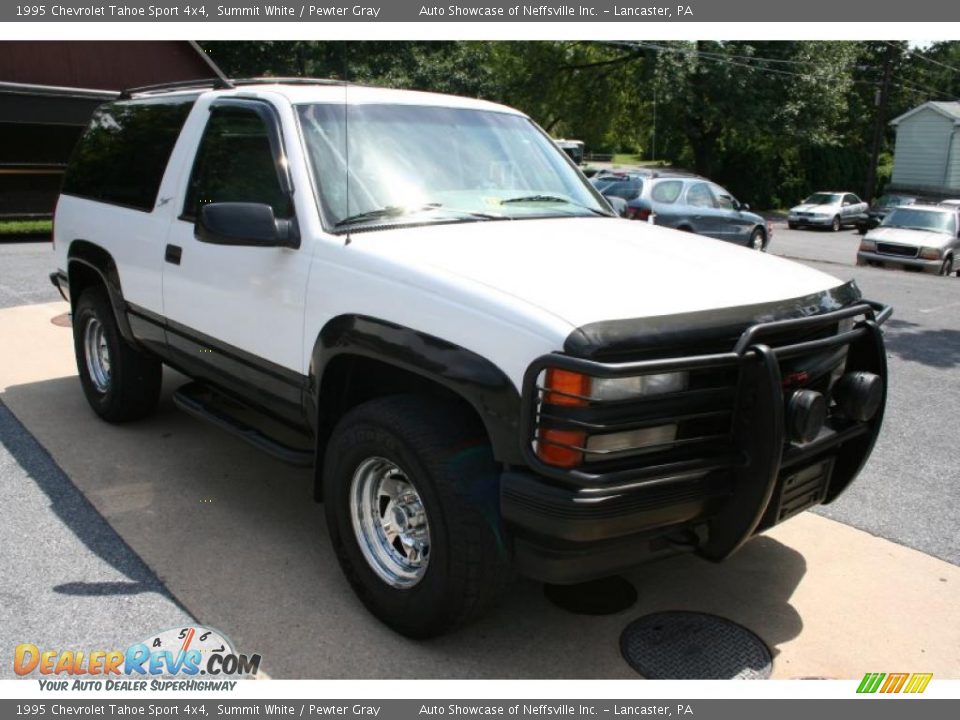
(930, 253)
(568, 447)
(868, 246)
(639, 386)
(630, 441)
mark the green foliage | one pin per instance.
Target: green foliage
(772, 121)
(25, 227)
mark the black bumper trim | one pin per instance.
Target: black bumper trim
(540, 507)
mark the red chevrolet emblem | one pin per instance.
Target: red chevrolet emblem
(795, 378)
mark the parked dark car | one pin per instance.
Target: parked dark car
(880, 208)
(694, 204)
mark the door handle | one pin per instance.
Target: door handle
(173, 254)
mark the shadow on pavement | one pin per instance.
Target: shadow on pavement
(936, 348)
(236, 538)
(78, 515)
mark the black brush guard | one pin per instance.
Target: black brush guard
(766, 478)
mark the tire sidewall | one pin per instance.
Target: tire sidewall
(757, 233)
(401, 608)
(92, 306)
(836, 224)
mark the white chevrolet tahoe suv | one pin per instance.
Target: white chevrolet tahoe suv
(423, 299)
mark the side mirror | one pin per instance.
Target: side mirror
(245, 224)
(745, 206)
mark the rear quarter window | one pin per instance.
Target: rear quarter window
(666, 191)
(123, 154)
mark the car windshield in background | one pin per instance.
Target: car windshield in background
(411, 163)
(822, 199)
(942, 222)
(892, 200)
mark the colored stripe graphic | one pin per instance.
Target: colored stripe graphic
(918, 683)
(894, 682)
(870, 682)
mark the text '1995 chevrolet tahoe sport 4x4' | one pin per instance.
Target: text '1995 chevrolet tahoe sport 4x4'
(488, 371)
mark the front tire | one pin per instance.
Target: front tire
(792, 225)
(947, 268)
(120, 382)
(411, 496)
(835, 225)
(757, 239)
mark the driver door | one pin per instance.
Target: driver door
(234, 313)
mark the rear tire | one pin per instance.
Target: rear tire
(411, 496)
(120, 382)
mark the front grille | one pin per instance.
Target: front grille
(899, 250)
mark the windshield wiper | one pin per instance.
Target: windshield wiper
(553, 199)
(384, 212)
(390, 211)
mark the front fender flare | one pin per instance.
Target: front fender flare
(470, 376)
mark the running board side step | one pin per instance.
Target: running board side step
(207, 404)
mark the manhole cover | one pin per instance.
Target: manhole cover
(694, 646)
(62, 320)
(605, 596)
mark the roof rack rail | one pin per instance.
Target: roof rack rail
(287, 81)
(214, 83)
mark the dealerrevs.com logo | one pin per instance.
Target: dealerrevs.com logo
(191, 658)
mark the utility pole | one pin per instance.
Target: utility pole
(881, 117)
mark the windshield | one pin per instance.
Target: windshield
(886, 201)
(437, 164)
(822, 199)
(944, 222)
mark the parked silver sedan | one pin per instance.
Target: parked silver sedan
(827, 210)
(919, 237)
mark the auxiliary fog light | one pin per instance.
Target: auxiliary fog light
(859, 395)
(806, 414)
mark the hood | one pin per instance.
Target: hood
(905, 236)
(586, 270)
(809, 207)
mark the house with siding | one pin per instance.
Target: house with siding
(927, 155)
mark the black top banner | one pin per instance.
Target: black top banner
(635, 11)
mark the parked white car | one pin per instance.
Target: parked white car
(832, 210)
(488, 371)
(919, 237)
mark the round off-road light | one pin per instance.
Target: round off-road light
(806, 414)
(859, 394)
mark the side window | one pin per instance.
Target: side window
(666, 191)
(851, 199)
(699, 195)
(123, 154)
(235, 164)
(724, 199)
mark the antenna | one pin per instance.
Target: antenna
(346, 129)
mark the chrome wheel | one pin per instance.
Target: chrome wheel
(97, 354)
(756, 240)
(390, 522)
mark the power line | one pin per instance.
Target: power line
(723, 59)
(929, 59)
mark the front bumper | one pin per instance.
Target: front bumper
(809, 220)
(61, 282)
(868, 258)
(572, 525)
